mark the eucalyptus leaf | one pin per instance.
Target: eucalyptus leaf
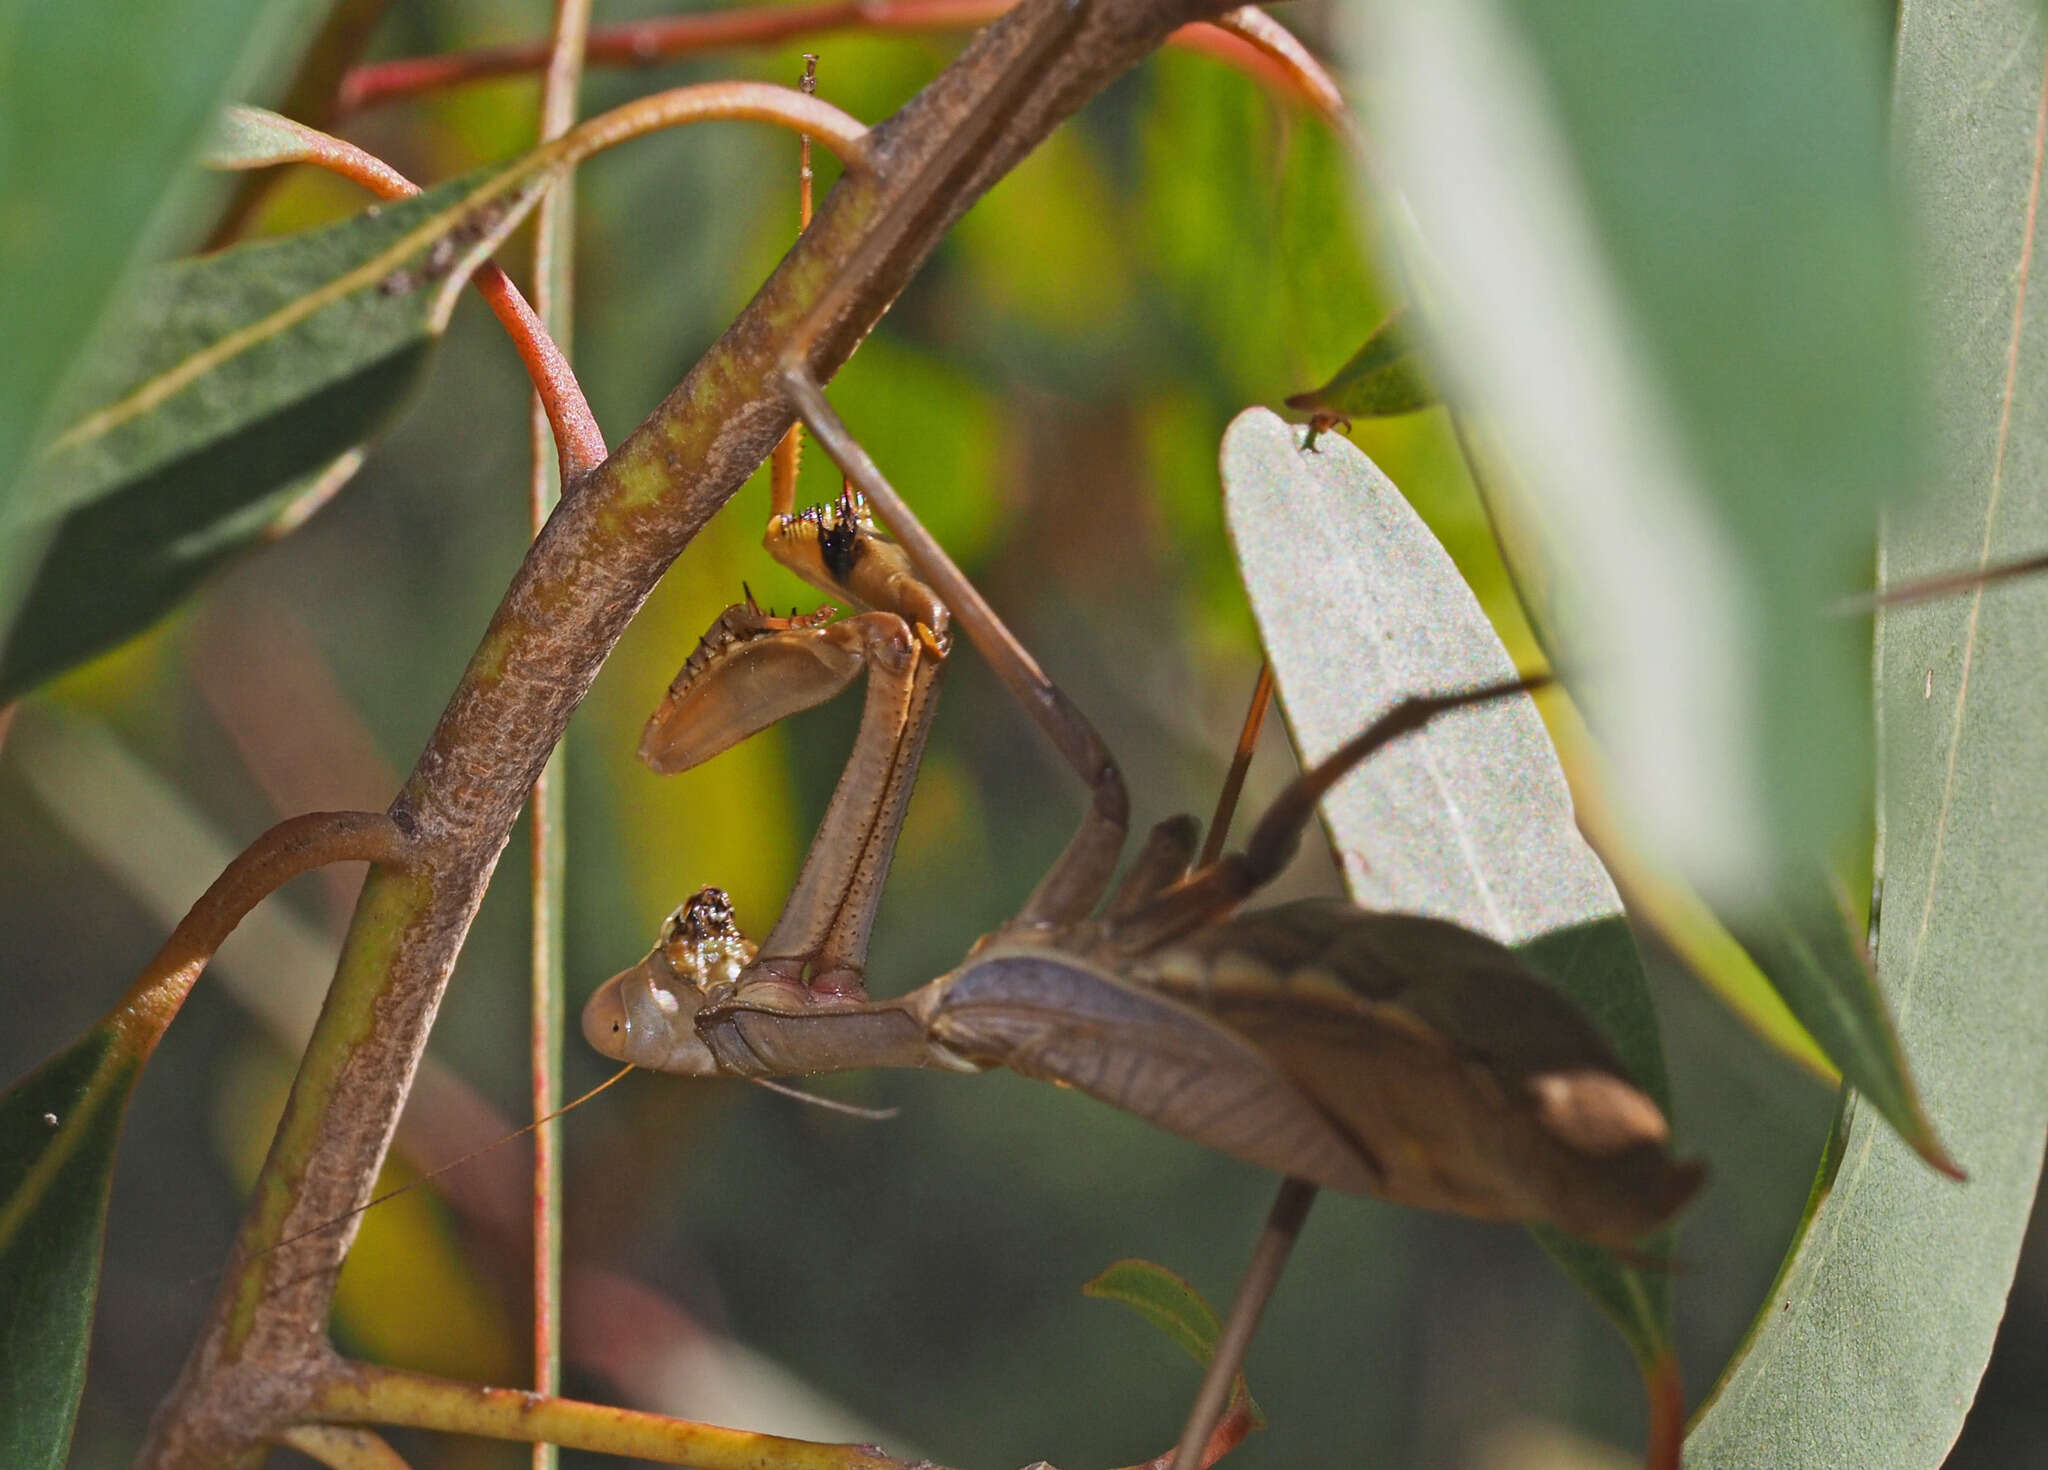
(1384, 377)
(58, 1131)
(1169, 1303)
(1659, 490)
(1871, 1346)
(1468, 819)
(253, 137)
(1803, 943)
(228, 390)
(89, 186)
(1796, 946)
(1658, 246)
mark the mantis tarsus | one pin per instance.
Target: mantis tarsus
(1373, 1053)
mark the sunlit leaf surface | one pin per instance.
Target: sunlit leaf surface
(1467, 820)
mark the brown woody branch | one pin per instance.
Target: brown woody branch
(264, 1351)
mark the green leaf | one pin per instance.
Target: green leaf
(1173, 1306)
(101, 104)
(253, 137)
(1468, 819)
(1870, 1347)
(58, 1129)
(1384, 377)
(1592, 572)
(1658, 245)
(230, 391)
(1803, 942)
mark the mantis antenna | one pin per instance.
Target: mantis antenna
(438, 1170)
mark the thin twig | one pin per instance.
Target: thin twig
(1245, 39)
(1269, 1259)
(570, 421)
(363, 1394)
(789, 451)
(1240, 763)
(294, 846)
(554, 461)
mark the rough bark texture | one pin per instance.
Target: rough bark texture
(615, 533)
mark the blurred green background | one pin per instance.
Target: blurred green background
(1050, 393)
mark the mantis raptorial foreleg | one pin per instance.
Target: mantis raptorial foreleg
(753, 669)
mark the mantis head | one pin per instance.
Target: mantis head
(647, 1015)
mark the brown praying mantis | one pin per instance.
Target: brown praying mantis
(1375, 1053)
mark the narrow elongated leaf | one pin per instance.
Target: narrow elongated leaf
(1386, 376)
(58, 1128)
(1871, 1346)
(1802, 941)
(1669, 395)
(1467, 820)
(1658, 242)
(229, 387)
(87, 186)
(1169, 1303)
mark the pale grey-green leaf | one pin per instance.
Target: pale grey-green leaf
(1871, 1349)
(1468, 819)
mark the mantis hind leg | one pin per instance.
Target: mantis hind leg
(1220, 886)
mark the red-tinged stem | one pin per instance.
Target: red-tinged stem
(649, 42)
(789, 452)
(1666, 1393)
(1251, 41)
(1240, 764)
(553, 277)
(569, 418)
(1246, 39)
(294, 846)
